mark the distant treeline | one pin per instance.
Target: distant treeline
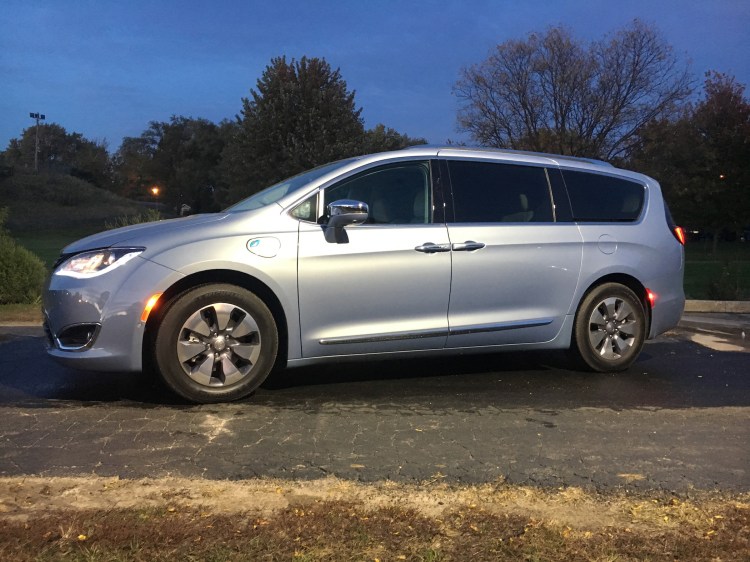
(626, 99)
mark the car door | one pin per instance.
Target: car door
(386, 286)
(515, 269)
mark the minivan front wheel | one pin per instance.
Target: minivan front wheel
(610, 328)
(215, 343)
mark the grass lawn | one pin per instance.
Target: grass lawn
(724, 275)
(47, 243)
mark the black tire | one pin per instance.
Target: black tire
(610, 328)
(215, 343)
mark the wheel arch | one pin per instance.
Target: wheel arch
(628, 281)
(226, 277)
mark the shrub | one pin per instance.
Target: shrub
(22, 274)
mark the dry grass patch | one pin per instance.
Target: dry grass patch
(21, 314)
(334, 520)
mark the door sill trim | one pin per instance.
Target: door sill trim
(441, 333)
(500, 326)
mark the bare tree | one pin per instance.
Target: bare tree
(552, 93)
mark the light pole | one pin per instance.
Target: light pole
(38, 117)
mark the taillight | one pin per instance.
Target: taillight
(679, 233)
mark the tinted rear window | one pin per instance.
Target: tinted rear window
(600, 198)
(488, 192)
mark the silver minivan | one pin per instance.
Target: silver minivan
(420, 251)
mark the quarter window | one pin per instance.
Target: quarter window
(307, 210)
(395, 194)
(602, 198)
(489, 192)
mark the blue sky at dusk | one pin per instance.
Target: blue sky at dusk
(105, 69)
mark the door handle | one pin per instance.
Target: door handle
(468, 246)
(431, 248)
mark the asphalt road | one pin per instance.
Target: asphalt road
(678, 420)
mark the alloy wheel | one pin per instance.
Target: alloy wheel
(219, 345)
(613, 326)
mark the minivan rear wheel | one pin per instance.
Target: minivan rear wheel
(215, 343)
(610, 328)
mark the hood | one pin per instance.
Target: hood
(137, 233)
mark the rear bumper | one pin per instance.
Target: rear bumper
(666, 314)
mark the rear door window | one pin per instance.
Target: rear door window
(602, 198)
(488, 192)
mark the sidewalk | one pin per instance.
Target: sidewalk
(716, 321)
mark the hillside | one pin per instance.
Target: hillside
(59, 202)
(49, 211)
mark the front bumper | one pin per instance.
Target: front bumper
(95, 323)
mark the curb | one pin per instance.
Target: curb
(732, 307)
(737, 325)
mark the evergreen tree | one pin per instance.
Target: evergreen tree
(301, 116)
(382, 139)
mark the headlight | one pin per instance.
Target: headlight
(96, 262)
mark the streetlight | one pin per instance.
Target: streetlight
(155, 192)
(38, 117)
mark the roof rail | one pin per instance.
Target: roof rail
(510, 151)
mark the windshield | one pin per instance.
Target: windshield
(277, 191)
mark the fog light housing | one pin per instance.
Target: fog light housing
(77, 337)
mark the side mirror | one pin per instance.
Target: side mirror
(342, 213)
